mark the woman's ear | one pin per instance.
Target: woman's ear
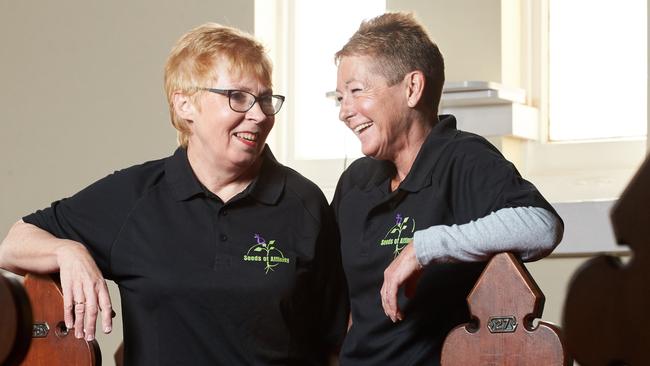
(415, 82)
(183, 106)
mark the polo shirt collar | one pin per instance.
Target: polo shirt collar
(383, 170)
(269, 184)
(266, 188)
(180, 176)
(420, 174)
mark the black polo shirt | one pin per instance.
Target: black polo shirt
(254, 281)
(457, 177)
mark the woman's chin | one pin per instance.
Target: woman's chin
(369, 151)
(244, 159)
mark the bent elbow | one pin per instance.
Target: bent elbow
(7, 248)
(548, 239)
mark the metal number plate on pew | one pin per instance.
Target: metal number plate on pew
(502, 324)
(505, 300)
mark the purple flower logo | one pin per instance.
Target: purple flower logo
(265, 252)
(400, 233)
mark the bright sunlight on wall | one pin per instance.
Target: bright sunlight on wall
(598, 69)
(321, 29)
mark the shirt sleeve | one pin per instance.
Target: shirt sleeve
(92, 217)
(530, 232)
(482, 181)
(494, 209)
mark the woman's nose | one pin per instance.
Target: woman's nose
(256, 113)
(345, 110)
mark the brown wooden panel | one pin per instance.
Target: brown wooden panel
(56, 347)
(15, 321)
(504, 302)
(605, 318)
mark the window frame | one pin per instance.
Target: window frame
(607, 163)
(275, 34)
(563, 171)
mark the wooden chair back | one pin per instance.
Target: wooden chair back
(504, 303)
(52, 343)
(15, 321)
(604, 313)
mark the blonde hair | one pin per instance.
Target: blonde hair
(399, 45)
(192, 60)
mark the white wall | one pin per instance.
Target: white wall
(82, 94)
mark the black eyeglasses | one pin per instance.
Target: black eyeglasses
(242, 101)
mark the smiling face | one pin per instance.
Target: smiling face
(375, 111)
(222, 137)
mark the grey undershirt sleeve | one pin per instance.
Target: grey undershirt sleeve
(530, 232)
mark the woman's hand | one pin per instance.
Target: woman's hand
(404, 270)
(85, 293)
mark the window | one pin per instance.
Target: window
(597, 69)
(303, 37)
(587, 165)
(308, 34)
(320, 29)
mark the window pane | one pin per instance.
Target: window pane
(320, 29)
(597, 69)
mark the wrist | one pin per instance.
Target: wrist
(417, 263)
(67, 248)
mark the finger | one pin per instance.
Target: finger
(389, 294)
(396, 315)
(384, 298)
(68, 303)
(91, 310)
(106, 308)
(382, 294)
(79, 310)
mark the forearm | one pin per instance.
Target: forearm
(27, 248)
(530, 232)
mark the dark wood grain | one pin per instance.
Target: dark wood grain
(15, 321)
(605, 310)
(504, 302)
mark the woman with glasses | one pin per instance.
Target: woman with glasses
(222, 255)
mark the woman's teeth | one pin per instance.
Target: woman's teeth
(247, 136)
(362, 127)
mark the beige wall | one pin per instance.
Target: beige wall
(82, 90)
(81, 94)
(468, 33)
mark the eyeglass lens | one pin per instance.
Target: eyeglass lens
(241, 101)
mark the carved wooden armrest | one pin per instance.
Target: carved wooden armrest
(504, 302)
(52, 343)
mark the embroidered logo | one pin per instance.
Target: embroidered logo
(400, 234)
(266, 253)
